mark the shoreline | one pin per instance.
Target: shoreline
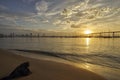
(43, 69)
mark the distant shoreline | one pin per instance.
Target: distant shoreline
(60, 37)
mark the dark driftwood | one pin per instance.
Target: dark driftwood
(20, 71)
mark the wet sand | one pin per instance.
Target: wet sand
(42, 69)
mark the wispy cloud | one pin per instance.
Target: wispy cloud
(61, 14)
(41, 6)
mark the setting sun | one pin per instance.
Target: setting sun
(87, 32)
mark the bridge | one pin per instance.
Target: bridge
(110, 34)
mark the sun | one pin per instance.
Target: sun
(87, 32)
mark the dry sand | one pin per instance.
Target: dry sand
(43, 70)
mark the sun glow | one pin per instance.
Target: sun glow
(87, 32)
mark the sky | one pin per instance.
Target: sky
(59, 15)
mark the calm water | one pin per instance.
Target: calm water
(99, 55)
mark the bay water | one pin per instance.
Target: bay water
(99, 55)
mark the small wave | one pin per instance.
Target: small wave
(96, 59)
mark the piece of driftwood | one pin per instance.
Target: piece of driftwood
(20, 71)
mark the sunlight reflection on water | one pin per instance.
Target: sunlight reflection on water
(99, 55)
(87, 41)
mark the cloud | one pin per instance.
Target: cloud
(57, 22)
(30, 20)
(7, 20)
(6, 26)
(28, 1)
(62, 13)
(2, 7)
(91, 13)
(81, 26)
(7, 29)
(75, 26)
(8, 13)
(42, 6)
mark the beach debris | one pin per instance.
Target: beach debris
(20, 71)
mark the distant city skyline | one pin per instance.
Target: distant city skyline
(23, 16)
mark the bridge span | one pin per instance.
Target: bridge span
(110, 34)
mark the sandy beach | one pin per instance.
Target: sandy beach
(43, 70)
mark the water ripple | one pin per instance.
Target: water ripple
(106, 60)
